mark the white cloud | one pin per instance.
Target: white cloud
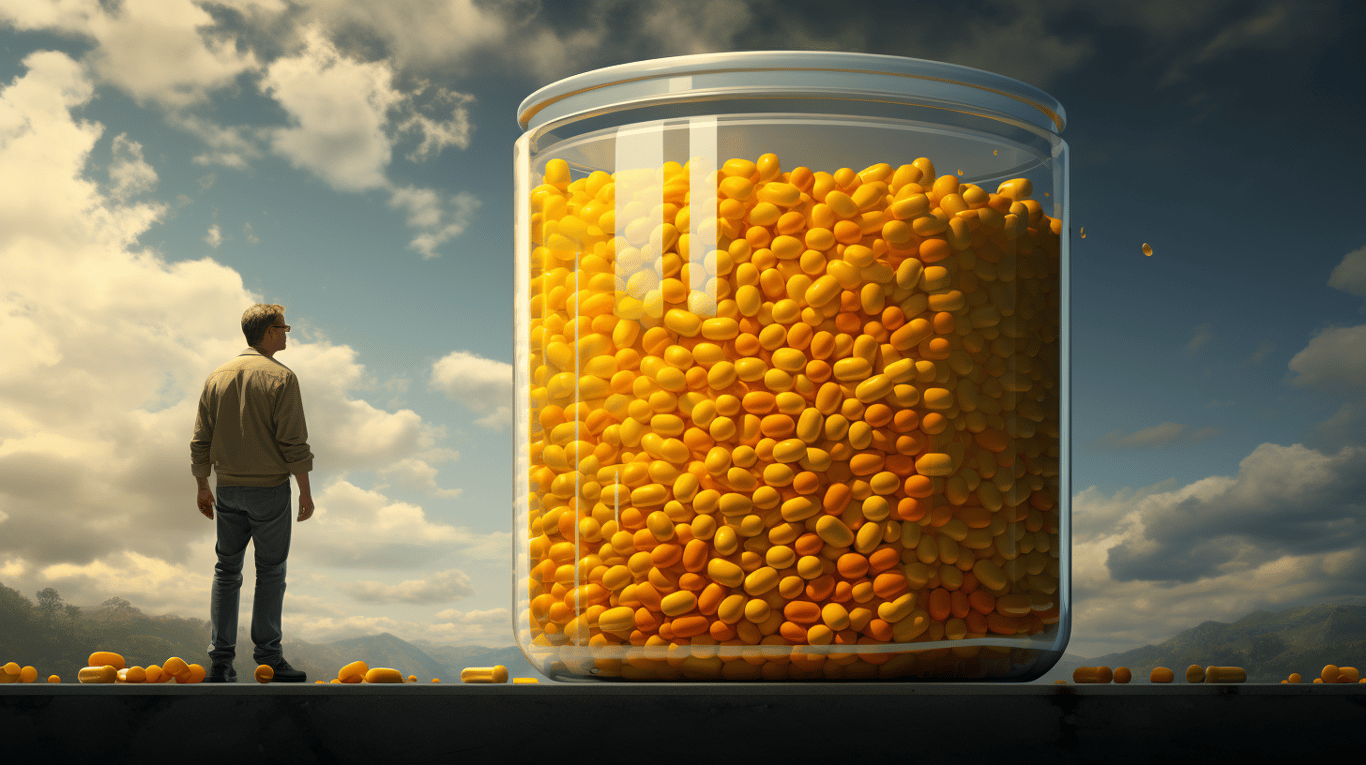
(129, 174)
(483, 385)
(1350, 275)
(108, 345)
(1202, 336)
(418, 33)
(418, 473)
(440, 217)
(343, 113)
(440, 587)
(360, 528)
(337, 107)
(233, 147)
(136, 40)
(1334, 359)
(686, 26)
(1283, 532)
(214, 237)
(1155, 437)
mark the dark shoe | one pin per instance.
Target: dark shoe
(285, 673)
(221, 673)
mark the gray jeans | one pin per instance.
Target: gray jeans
(262, 516)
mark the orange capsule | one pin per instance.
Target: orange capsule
(1161, 675)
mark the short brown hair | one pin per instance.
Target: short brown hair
(258, 319)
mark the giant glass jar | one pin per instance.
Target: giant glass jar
(791, 372)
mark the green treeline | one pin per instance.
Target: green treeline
(57, 637)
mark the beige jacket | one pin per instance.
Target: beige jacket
(250, 427)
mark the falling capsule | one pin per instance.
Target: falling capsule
(1147, 249)
(1083, 232)
(993, 152)
(960, 172)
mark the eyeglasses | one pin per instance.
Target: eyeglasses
(285, 327)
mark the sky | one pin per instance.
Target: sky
(164, 164)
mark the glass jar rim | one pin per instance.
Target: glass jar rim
(796, 73)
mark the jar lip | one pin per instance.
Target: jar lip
(824, 73)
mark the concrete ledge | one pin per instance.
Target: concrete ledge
(656, 723)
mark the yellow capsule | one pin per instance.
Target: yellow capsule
(1194, 673)
(667, 425)
(678, 603)
(788, 359)
(841, 203)
(871, 298)
(934, 464)
(810, 423)
(757, 610)
(823, 290)
(835, 616)
(735, 503)
(736, 188)
(719, 328)
(989, 574)
(495, 674)
(1225, 675)
(1147, 249)
(618, 619)
(868, 537)
(761, 580)
(1092, 675)
(859, 256)
(938, 399)
(852, 368)
(799, 509)
(650, 495)
(683, 322)
(810, 567)
(874, 388)
(1016, 189)
(102, 674)
(910, 207)
(789, 450)
(778, 474)
(833, 532)
(897, 609)
(1083, 232)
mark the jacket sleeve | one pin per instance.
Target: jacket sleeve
(201, 466)
(291, 432)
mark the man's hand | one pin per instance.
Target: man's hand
(205, 502)
(305, 506)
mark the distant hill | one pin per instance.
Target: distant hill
(57, 638)
(1269, 645)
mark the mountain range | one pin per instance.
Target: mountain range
(1269, 645)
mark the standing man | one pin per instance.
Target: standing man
(250, 429)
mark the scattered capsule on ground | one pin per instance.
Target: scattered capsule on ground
(1091, 675)
(102, 674)
(1195, 674)
(1225, 675)
(383, 675)
(1161, 675)
(264, 673)
(495, 674)
(1123, 675)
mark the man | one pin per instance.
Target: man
(250, 429)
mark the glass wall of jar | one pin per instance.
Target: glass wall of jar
(791, 372)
